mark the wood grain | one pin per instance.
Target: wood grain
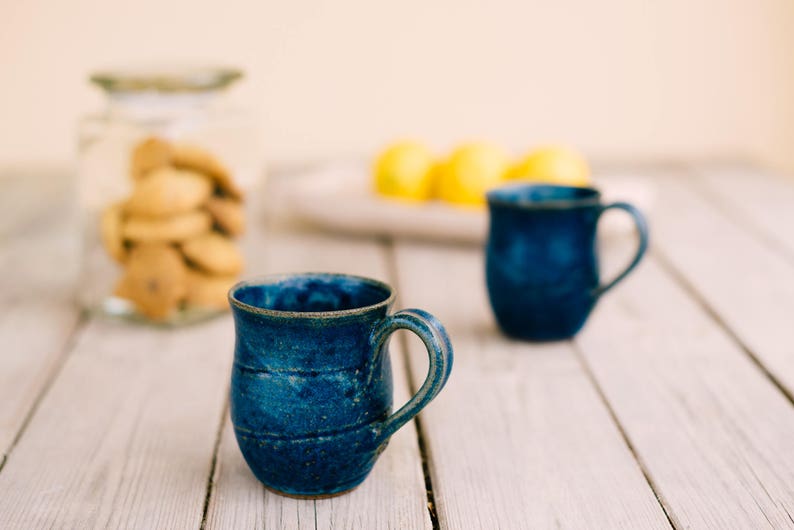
(125, 426)
(38, 313)
(32, 201)
(712, 432)
(124, 437)
(393, 496)
(747, 283)
(758, 200)
(519, 438)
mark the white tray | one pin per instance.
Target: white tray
(340, 198)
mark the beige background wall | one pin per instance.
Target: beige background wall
(621, 79)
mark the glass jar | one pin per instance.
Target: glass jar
(163, 172)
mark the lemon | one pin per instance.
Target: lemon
(405, 170)
(471, 170)
(553, 165)
(435, 175)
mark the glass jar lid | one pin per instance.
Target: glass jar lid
(172, 79)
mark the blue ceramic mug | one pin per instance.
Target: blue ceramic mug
(311, 392)
(542, 258)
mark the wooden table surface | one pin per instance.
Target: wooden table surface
(672, 408)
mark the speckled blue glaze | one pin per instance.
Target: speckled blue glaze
(542, 258)
(311, 392)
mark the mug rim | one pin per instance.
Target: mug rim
(270, 279)
(524, 204)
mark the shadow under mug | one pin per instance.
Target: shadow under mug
(542, 258)
(311, 391)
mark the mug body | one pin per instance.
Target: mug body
(541, 265)
(307, 387)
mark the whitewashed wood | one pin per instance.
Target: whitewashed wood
(742, 278)
(757, 199)
(519, 438)
(38, 269)
(711, 430)
(125, 435)
(34, 200)
(393, 496)
(113, 445)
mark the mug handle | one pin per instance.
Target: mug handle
(439, 351)
(642, 232)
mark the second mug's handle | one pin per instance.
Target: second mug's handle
(439, 350)
(642, 232)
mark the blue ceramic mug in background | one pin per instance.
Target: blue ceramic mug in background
(542, 258)
(311, 392)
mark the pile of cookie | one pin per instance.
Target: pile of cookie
(174, 234)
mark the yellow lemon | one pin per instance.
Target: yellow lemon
(435, 176)
(405, 170)
(470, 171)
(553, 165)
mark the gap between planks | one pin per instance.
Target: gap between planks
(744, 221)
(413, 387)
(37, 229)
(214, 468)
(667, 265)
(741, 219)
(709, 422)
(51, 376)
(500, 464)
(626, 440)
(699, 416)
(214, 461)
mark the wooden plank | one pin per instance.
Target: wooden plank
(755, 198)
(744, 280)
(393, 496)
(31, 200)
(125, 435)
(38, 314)
(712, 432)
(519, 438)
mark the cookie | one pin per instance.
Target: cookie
(228, 215)
(204, 290)
(110, 230)
(166, 229)
(122, 289)
(195, 158)
(148, 155)
(214, 253)
(168, 191)
(156, 280)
